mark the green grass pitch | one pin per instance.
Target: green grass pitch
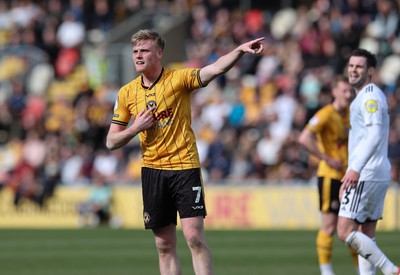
(121, 252)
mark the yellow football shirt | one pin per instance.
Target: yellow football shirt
(170, 144)
(332, 131)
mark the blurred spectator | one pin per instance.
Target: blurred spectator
(216, 111)
(309, 90)
(236, 116)
(50, 171)
(201, 27)
(16, 104)
(24, 12)
(240, 167)
(96, 209)
(105, 163)
(219, 155)
(269, 151)
(6, 121)
(286, 21)
(76, 7)
(24, 177)
(55, 8)
(394, 154)
(386, 22)
(33, 114)
(100, 15)
(269, 65)
(10, 156)
(131, 7)
(294, 163)
(283, 108)
(49, 43)
(74, 162)
(70, 35)
(6, 20)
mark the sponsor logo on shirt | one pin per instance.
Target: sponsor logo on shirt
(371, 106)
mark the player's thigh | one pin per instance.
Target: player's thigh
(345, 226)
(165, 237)
(158, 205)
(188, 193)
(328, 191)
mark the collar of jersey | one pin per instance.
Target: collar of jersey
(154, 83)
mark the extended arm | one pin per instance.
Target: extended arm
(226, 62)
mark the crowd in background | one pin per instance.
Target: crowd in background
(55, 109)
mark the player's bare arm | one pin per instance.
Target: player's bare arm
(309, 140)
(226, 62)
(363, 151)
(119, 135)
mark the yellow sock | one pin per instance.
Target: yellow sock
(354, 256)
(324, 247)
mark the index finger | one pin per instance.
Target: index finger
(151, 109)
(257, 40)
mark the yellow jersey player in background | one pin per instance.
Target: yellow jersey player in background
(325, 137)
(158, 101)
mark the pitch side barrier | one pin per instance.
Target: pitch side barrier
(229, 207)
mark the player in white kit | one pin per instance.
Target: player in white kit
(367, 179)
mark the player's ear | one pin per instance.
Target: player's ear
(371, 71)
(159, 53)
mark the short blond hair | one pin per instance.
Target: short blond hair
(148, 35)
(338, 79)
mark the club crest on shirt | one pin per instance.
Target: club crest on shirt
(371, 106)
(335, 205)
(146, 217)
(151, 104)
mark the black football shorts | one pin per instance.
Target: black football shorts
(166, 192)
(328, 190)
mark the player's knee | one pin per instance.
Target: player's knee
(329, 229)
(195, 242)
(165, 246)
(342, 234)
(344, 229)
(346, 236)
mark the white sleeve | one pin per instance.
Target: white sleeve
(366, 147)
(371, 109)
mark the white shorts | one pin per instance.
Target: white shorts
(364, 202)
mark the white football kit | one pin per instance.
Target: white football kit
(368, 146)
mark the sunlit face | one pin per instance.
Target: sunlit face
(358, 73)
(342, 94)
(146, 56)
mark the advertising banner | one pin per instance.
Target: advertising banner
(263, 207)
